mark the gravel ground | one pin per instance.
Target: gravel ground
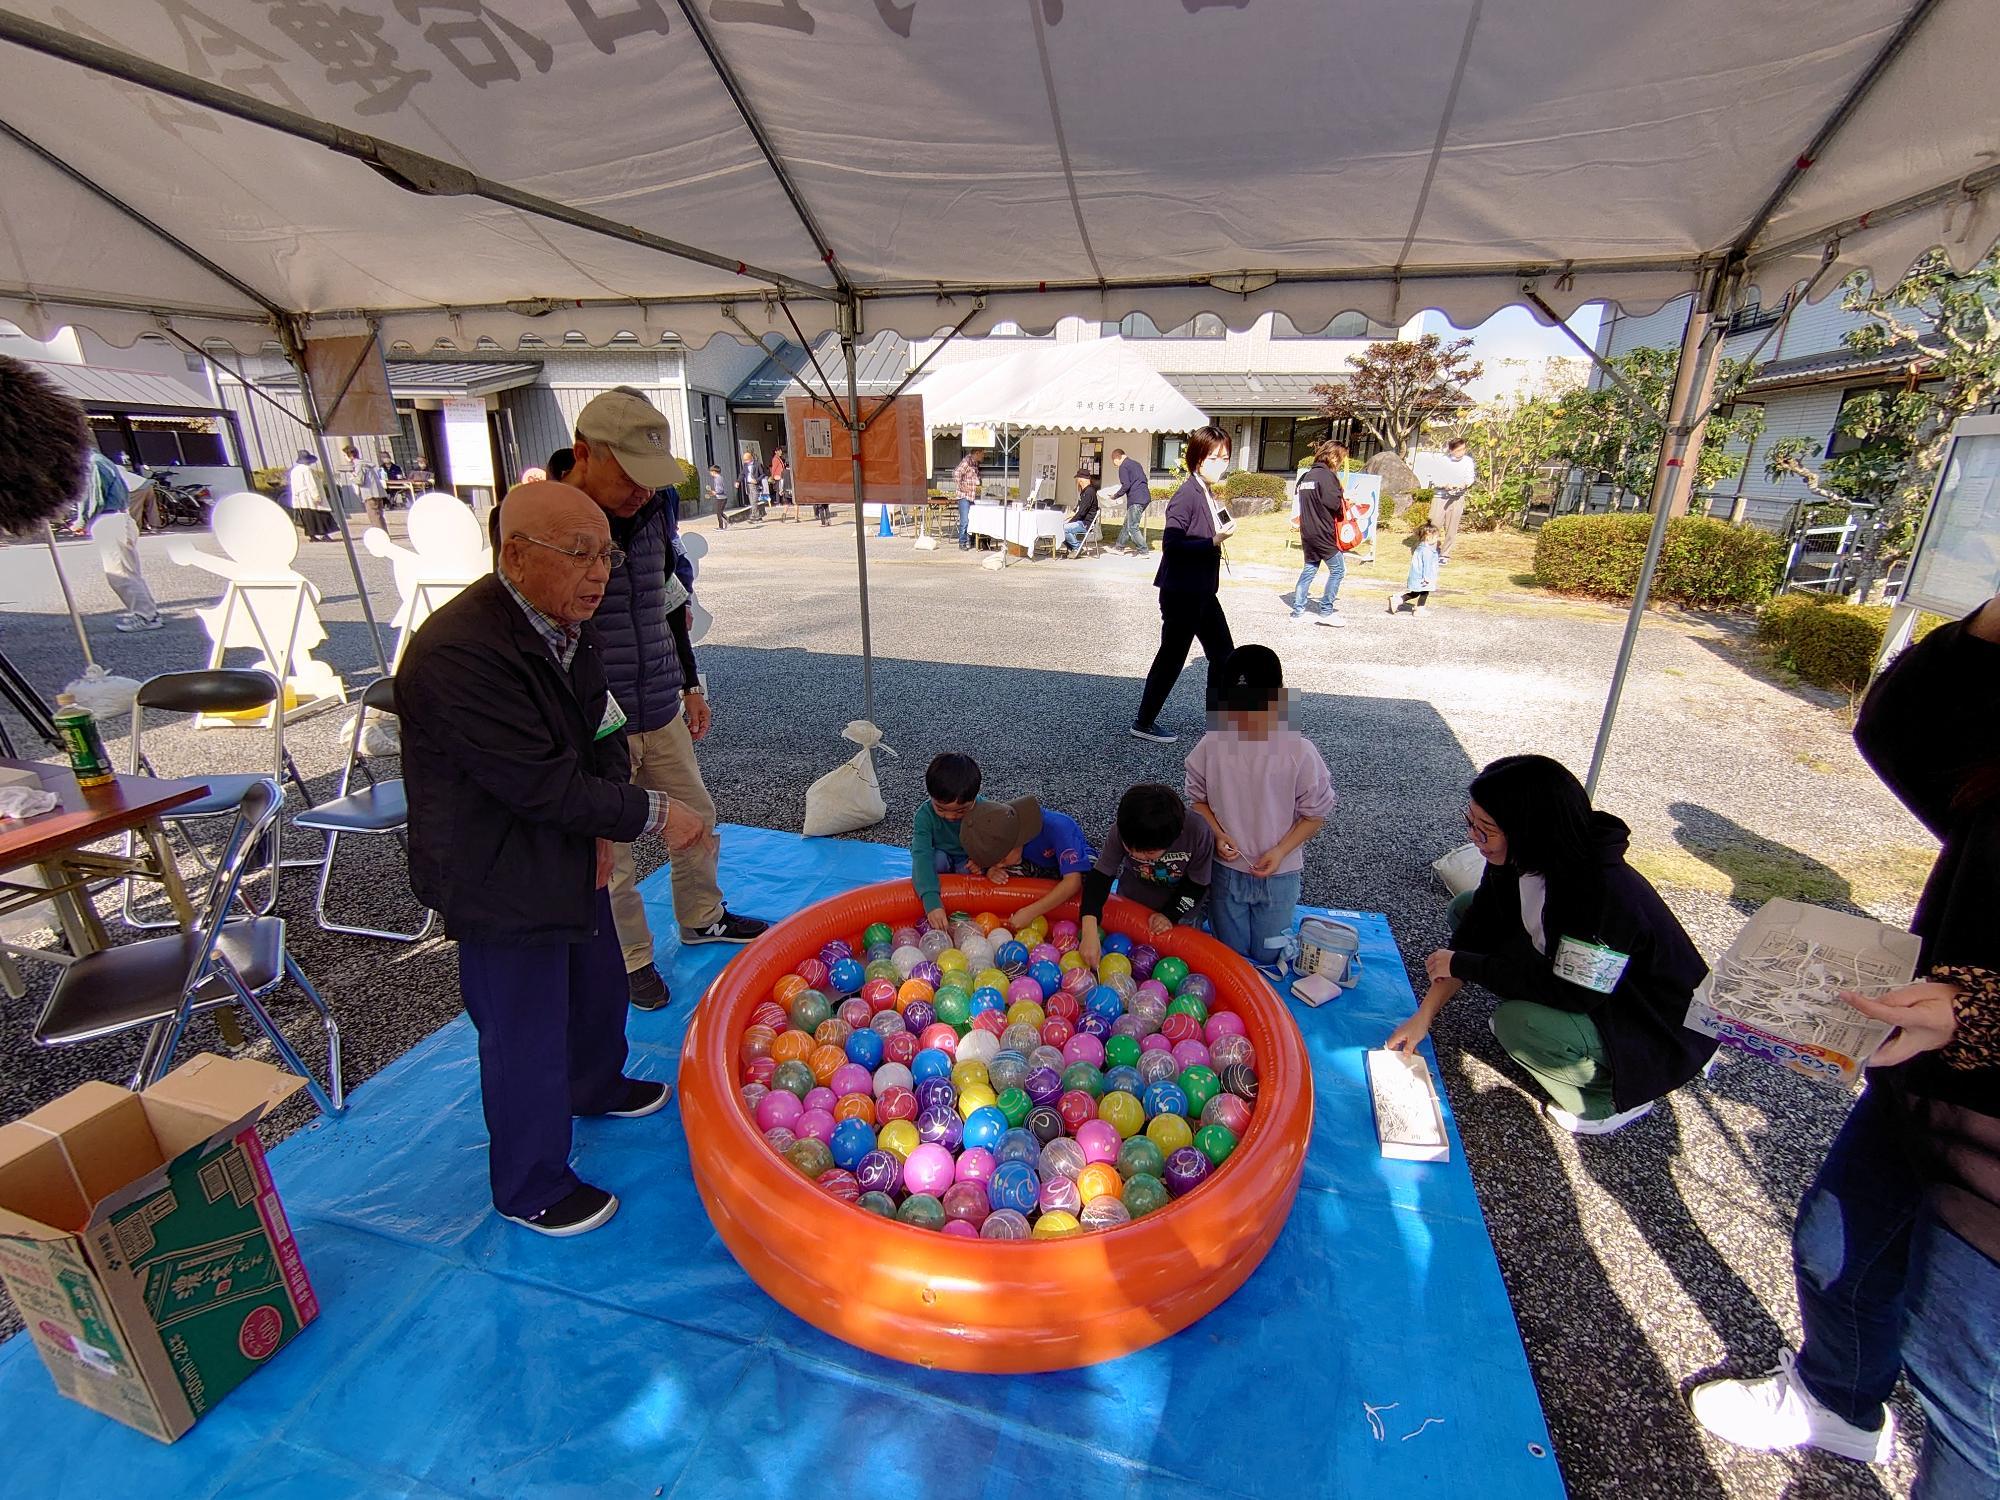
(1638, 1265)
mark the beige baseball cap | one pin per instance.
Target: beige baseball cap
(993, 830)
(635, 432)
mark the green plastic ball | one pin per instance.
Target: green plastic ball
(1187, 1005)
(1200, 1085)
(1143, 1194)
(878, 1203)
(1014, 1104)
(1122, 1052)
(954, 1008)
(1170, 972)
(922, 1210)
(794, 1077)
(809, 1158)
(809, 1009)
(878, 932)
(1084, 1077)
(883, 969)
(1215, 1142)
(1139, 1155)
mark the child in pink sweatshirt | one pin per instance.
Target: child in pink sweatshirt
(1263, 787)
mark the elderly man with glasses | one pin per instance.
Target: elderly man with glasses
(519, 783)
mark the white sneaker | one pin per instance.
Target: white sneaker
(1577, 1125)
(130, 623)
(1336, 619)
(1778, 1411)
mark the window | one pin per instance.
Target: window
(1285, 444)
(1168, 451)
(1752, 317)
(159, 442)
(1839, 442)
(1349, 325)
(1138, 326)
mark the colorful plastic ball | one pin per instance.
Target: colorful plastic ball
(791, 1046)
(1200, 1084)
(965, 1202)
(1228, 1111)
(899, 1048)
(1071, 960)
(921, 1210)
(1113, 963)
(991, 1021)
(986, 921)
(1145, 1193)
(1075, 1107)
(1191, 1054)
(878, 932)
(942, 1038)
(1122, 1051)
(940, 1126)
(833, 1032)
(1082, 1078)
(882, 969)
(895, 1103)
(899, 1138)
(906, 959)
(759, 1070)
(1046, 1056)
(879, 1171)
(1062, 928)
(1099, 1140)
(1170, 971)
(933, 943)
(750, 1094)
(1139, 1155)
(993, 979)
(1043, 1085)
(1014, 1185)
(1057, 1030)
(912, 994)
(978, 1096)
(928, 974)
(826, 1061)
(1123, 983)
(1198, 988)
(878, 964)
(788, 988)
(794, 1078)
(820, 1098)
(888, 1022)
(854, 1013)
(1022, 990)
(1057, 1225)
(1099, 1180)
(1084, 1049)
(756, 1042)
(931, 1062)
(1021, 1039)
(855, 1107)
(1104, 1213)
(1228, 1049)
(1104, 1001)
(1059, 1195)
(1093, 1026)
(814, 1124)
(1180, 1027)
(1144, 958)
(877, 1203)
(936, 1093)
(878, 994)
(977, 1048)
(1157, 1065)
(905, 936)
(770, 1015)
(1062, 1157)
(1006, 1069)
(974, 1164)
(846, 976)
(892, 1076)
(1215, 1142)
(779, 1139)
(1045, 1123)
(778, 1108)
(928, 1169)
(1018, 1145)
(864, 1048)
(851, 1140)
(1170, 1133)
(1187, 1169)
(810, 1158)
(1117, 942)
(1077, 982)
(1011, 957)
(1123, 1081)
(1184, 1004)
(968, 1071)
(1241, 1081)
(1164, 1098)
(1122, 1112)
(1046, 975)
(1005, 1224)
(1014, 1103)
(840, 1185)
(1027, 1014)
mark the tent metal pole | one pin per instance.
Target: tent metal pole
(295, 352)
(69, 599)
(850, 319)
(978, 303)
(1680, 448)
(1639, 403)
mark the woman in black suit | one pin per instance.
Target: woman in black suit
(1190, 580)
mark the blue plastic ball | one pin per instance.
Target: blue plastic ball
(1123, 1080)
(1011, 958)
(846, 976)
(987, 999)
(1018, 1145)
(1015, 1185)
(1117, 942)
(1049, 976)
(984, 1127)
(1106, 1002)
(865, 1047)
(1164, 1098)
(932, 1062)
(852, 1140)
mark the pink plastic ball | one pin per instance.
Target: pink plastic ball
(815, 1124)
(967, 1201)
(1023, 990)
(1084, 1048)
(928, 1169)
(1100, 1140)
(841, 1185)
(940, 1036)
(1227, 1110)
(1152, 989)
(900, 1048)
(1063, 942)
(856, 1012)
(960, 1229)
(814, 973)
(760, 1070)
(1063, 929)
(1191, 1054)
(851, 1078)
(1223, 1023)
(820, 1098)
(778, 1109)
(1044, 953)
(1156, 1041)
(975, 1164)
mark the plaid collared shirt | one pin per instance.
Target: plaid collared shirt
(562, 641)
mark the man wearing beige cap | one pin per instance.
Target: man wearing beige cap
(1004, 839)
(623, 462)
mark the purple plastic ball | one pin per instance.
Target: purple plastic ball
(1186, 1170)
(834, 952)
(879, 1172)
(1092, 1024)
(941, 1126)
(929, 973)
(936, 1093)
(1197, 987)
(918, 1014)
(1191, 1055)
(1044, 1085)
(1143, 957)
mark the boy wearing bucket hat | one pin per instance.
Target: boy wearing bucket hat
(1022, 837)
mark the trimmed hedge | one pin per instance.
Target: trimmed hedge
(1419, 514)
(1704, 564)
(1830, 644)
(1246, 484)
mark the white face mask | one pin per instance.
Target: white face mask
(1213, 469)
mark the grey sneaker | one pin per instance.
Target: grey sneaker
(1335, 619)
(727, 928)
(646, 988)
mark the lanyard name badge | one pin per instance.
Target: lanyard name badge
(614, 718)
(1591, 966)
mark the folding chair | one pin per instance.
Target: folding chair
(213, 690)
(381, 807)
(163, 982)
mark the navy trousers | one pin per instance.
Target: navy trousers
(551, 1023)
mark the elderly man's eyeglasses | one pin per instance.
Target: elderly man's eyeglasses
(611, 557)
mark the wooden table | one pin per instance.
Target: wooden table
(53, 845)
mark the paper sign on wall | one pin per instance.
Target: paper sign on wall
(468, 450)
(895, 466)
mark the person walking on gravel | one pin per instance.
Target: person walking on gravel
(1322, 507)
(965, 478)
(1190, 581)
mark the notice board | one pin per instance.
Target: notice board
(895, 461)
(468, 450)
(1956, 566)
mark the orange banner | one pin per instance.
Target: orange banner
(895, 460)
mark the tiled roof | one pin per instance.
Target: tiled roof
(1841, 363)
(1248, 392)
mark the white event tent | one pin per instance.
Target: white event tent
(1085, 387)
(232, 171)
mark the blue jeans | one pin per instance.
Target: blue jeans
(1073, 532)
(964, 522)
(1133, 533)
(1336, 570)
(1246, 912)
(1884, 1287)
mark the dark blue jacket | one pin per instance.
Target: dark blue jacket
(642, 666)
(1132, 474)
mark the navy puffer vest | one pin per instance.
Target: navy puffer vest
(640, 664)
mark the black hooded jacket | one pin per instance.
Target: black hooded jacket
(1642, 1019)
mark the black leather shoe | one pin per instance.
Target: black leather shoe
(646, 988)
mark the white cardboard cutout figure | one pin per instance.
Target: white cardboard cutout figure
(259, 542)
(447, 551)
(694, 547)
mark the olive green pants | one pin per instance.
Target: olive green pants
(1563, 1051)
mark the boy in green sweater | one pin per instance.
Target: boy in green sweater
(936, 847)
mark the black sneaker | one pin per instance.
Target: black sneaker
(642, 1097)
(583, 1210)
(1152, 732)
(727, 928)
(647, 988)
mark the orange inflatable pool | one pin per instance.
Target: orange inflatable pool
(1002, 1307)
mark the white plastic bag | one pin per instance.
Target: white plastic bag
(1459, 870)
(849, 797)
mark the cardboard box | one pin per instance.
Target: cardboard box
(144, 1243)
(1843, 951)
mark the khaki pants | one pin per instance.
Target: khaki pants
(1448, 513)
(663, 761)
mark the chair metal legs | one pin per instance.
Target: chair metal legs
(164, 1040)
(329, 925)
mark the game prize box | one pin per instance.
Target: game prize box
(144, 1243)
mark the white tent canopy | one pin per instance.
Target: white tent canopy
(533, 160)
(1097, 386)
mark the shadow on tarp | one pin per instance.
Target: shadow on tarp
(459, 1356)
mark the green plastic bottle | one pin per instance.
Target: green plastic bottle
(87, 755)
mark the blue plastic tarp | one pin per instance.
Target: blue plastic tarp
(460, 1356)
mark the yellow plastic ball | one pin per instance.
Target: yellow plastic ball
(1169, 1133)
(952, 961)
(899, 1138)
(990, 979)
(1099, 1180)
(1026, 1013)
(973, 1097)
(1113, 963)
(1125, 1114)
(1034, 932)
(1070, 960)
(1056, 1225)
(969, 1074)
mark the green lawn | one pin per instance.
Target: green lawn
(1487, 565)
